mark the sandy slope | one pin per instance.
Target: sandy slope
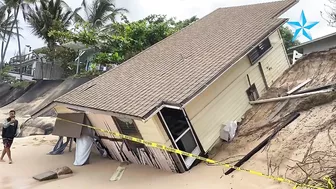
(30, 158)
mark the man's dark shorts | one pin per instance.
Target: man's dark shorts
(7, 142)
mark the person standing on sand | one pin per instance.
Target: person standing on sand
(10, 130)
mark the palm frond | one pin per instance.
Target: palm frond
(102, 11)
(7, 22)
(51, 15)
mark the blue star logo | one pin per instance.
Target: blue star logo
(303, 26)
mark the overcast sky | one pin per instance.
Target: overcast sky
(182, 9)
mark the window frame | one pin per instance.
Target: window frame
(260, 51)
(131, 145)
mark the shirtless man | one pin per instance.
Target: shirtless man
(10, 130)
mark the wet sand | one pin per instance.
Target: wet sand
(29, 156)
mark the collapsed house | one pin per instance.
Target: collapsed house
(181, 91)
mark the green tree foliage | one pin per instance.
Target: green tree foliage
(287, 36)
(100, 12)
(6, 21)
(47, 16)
(50, 15)
(16, 6)
(65, 57)
(121, 41)
(4, 76)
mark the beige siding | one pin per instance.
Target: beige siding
(276, 62)
(230, 102)
(153, 131)
(226, 99)
(147, 156)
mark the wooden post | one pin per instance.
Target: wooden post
(70, 146)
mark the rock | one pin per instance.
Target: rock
(46, 176)
(63, 171)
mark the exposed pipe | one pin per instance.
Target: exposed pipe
(292, 96)
(316, 89)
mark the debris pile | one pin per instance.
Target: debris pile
(304, 151)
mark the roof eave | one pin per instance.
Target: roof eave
(82, 108)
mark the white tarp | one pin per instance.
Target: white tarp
(83, 149)
(229, 131)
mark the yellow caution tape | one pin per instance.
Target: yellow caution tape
(176, 151)
(330, 184)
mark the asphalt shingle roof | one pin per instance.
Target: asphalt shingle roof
(177, 68)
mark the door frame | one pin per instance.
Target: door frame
(188, 162)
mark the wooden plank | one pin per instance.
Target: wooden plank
(298, 87)
(118, 173)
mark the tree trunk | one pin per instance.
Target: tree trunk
(19, 46)
(2, 56)
(16, 13)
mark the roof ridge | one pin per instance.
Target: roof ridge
(174, 34)
(261, 3)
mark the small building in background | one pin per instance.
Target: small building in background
(34, 67)
(85, 58)
(320, 44)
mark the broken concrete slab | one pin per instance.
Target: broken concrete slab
(63, 171)
(46, 176)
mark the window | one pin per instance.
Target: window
(181, 132)
(127, 126)
(252, 93)
(259, 51)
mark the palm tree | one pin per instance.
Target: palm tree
(6, 22)
(48, 16)
(100, 12)
(16, 6)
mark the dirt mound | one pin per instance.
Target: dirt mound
(304, 151)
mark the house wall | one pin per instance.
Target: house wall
(57, 71)
(226, 99)
(322, 45)
(276, 61)
(153, 131)
(147, 156)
